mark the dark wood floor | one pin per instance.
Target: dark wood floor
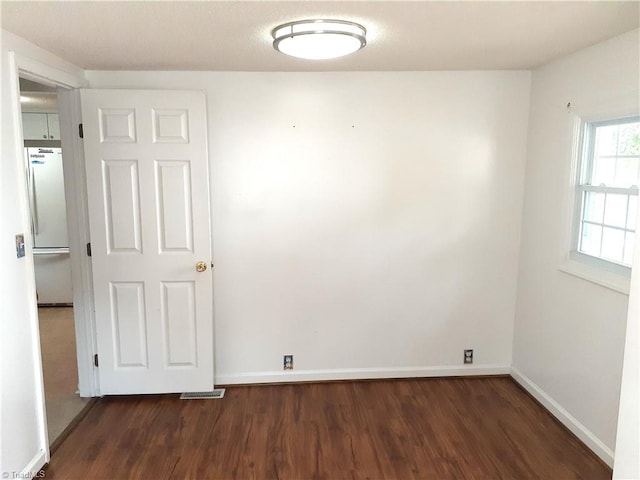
(482, 428)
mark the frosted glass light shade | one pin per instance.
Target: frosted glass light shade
(319, 39)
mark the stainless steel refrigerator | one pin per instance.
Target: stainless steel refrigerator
(49, 226)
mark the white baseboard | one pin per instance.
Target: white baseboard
(568, 420)
(359, 374)
(34, 466)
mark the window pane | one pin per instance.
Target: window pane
(607, 140)
(628, 249)
(615, 213)
(594, 207)
(626, 172)
(608, 216)
(629, 139)
(632, 214)
(604, 171)
(612, 244)
(590, 241)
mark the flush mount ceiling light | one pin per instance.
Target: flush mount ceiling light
(319, 39)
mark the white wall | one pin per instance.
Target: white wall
(367, 223)
(569, 333)
(627, 460)
(22, 425)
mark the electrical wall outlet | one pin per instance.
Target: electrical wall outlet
(468, 356)
(288, 362)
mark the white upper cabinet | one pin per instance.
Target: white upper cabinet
(34, 126)
(40, 126)
(53, 121)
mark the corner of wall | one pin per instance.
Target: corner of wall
(564, 325)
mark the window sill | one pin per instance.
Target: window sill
(594, 274)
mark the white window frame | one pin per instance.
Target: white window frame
(594, 269)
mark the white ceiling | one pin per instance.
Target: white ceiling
(236, 35)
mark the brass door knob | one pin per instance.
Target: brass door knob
(201, 266)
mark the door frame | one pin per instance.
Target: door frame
(67, 84)
(75, 187)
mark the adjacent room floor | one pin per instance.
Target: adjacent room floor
(480, 428)
(60, 368)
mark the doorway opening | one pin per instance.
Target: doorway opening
(51, 255)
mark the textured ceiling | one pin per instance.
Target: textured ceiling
(235, 35)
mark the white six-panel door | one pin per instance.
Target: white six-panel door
(148, 193)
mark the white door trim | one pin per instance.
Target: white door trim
(14, 81)
(76, 200)
(21, 66)
(45, 74)
(26, 67)
(78, 225)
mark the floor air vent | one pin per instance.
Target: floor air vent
(216, 393)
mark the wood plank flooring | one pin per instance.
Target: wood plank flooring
(476, 428)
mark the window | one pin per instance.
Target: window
(607, 192)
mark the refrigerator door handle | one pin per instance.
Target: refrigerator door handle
(35, 228)
(51, 251)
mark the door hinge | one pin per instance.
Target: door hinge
(95, 360)
(89, 249)
(80, 130)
